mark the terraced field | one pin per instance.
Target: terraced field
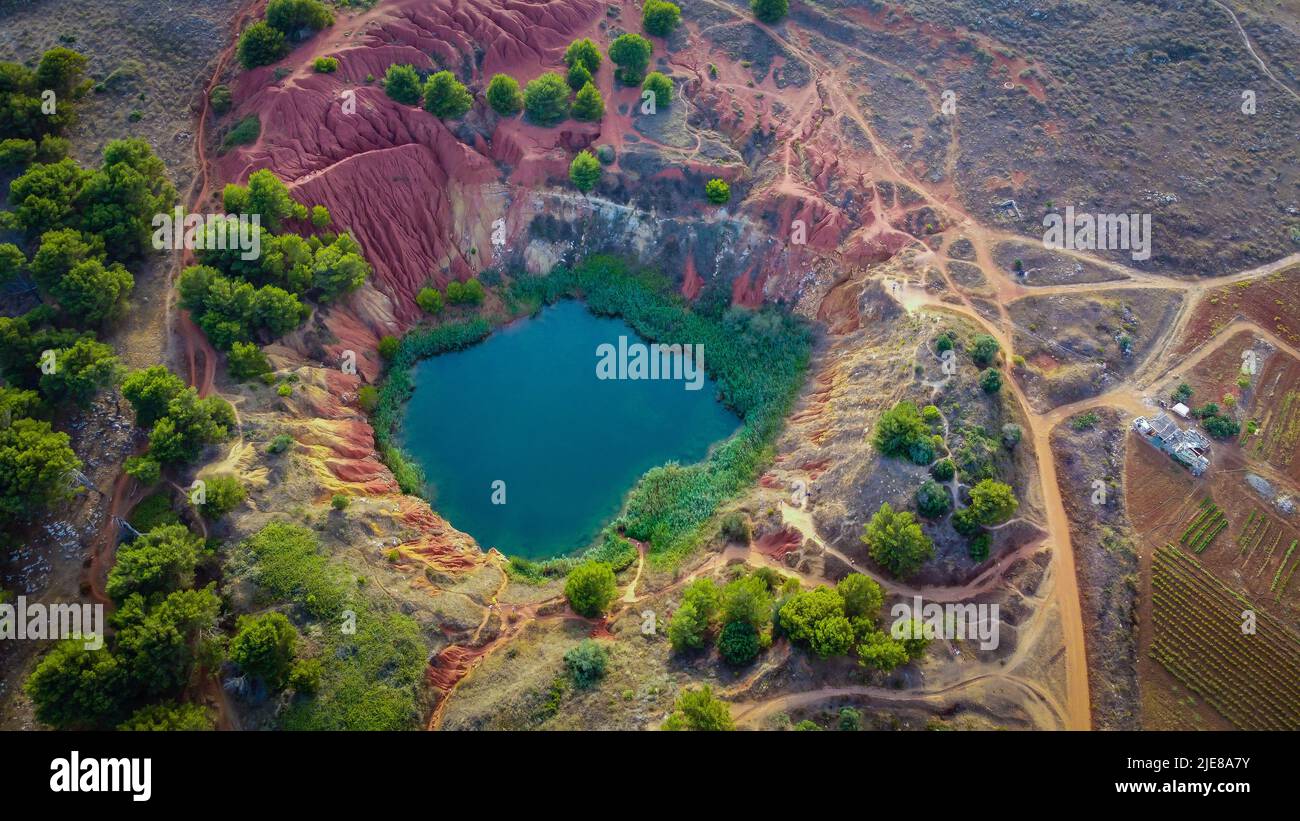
(1249, 678)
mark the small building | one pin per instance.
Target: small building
(1182, 410)
(1190, 448)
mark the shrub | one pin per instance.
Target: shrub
(388, 347)
(446, 97)
(296, 17)
(245, 132)
(402, 83)
(993, 502)
(991, 381)
(1011, 434)
(697, 709)
(967, 523)
(900, 431)
(280, 444)
(896, 541)
(978, 548)
(931, 414)
(325, 65)
(687, 628)
(504, 96)
(862, 596)
(932, 500)
(469, 292)
(747, 599)
(660, 17)
(144, 470)
(587, 663)
(590, 588)
(770, 11)
(169, 717)
(662, 87)
(944, 343)
(735, 528)
(430, 301)
(631, 53)
(339, 501)
(588, 105)
(850, 719)
(984, 350)
(738, 643)
(546, 99)
(263, 647)
(221, 99)
(222, 494)
(247, 361)
(261, 44)
(1221, 427)
(717, 191)
(584, 171)
(368, 398)
(943, 470)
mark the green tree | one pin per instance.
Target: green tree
(697, 709)
(12, 261)
(73, 688)
(80, 372)
(159, 645)
(662, 87)
(430, 300)
(932, 500)
(266, 196)
(35, 463)
(590, 588)
(881, 652)
(160, 561)
(339, 268)
(631, 53)
(469, 292)
(588, 105)
(60, 251)
(896, 541)
(1222, 427)
(169, 716)
(61, 70)
(584, 171)
(587, 663)
(297, 17)
(984, 350)
(660, 17)
(577, 77)
(44, 197)
(862, 597)
(150, 391)
(717, 191)
(263, 647)
(445, 97)
(402, 83)
(770, 11)
(119, 200)
(900, 430)
(189, 424)
(803, 611)
(738, 643)
(247, 361)
(91, 294)
(688, 628)
(747, 599)
(260, 45)
(504, 96)
(832, 637)
(943, 470)
(991, 380)
(850, 719)
(223, 493)
(320, 217)
(583, 51)
(546, 99)
(143, 469)
(993, 502)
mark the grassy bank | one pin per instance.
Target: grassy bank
(757, 358)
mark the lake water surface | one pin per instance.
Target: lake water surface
(525, 407)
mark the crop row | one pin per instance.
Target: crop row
(1204, 527)
(1253, 680)
(1283, 430)
(1277, 577)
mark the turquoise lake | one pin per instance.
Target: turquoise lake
(525, 407)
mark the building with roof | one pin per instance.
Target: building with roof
(1190, 448)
